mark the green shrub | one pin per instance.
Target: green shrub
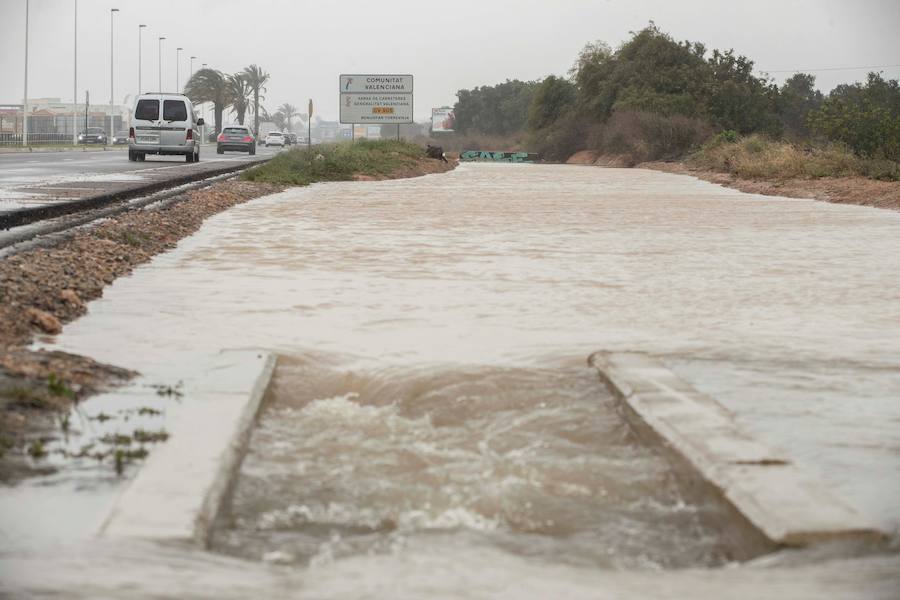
(864, 117)
(758, 157)
(336, 162)
(642, 136)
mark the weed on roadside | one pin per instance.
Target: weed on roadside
(142, 436)
(37, 450)
(57, 387)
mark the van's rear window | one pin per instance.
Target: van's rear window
(147, 110)
(174, 110)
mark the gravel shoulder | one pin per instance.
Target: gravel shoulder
(42, 288)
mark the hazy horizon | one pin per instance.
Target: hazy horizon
(306, 45)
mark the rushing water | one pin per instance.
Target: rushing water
(535, 461)
(432, 400)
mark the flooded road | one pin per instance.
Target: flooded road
(444, 322)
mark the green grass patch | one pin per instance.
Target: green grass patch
(336, 162)
(757, 157)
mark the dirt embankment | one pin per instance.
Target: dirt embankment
(44, 287)
(840, 190)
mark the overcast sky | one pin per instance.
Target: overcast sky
(305, 45)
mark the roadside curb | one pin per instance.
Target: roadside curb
(179, 490)
(779, 500)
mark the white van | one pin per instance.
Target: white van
(164, 124)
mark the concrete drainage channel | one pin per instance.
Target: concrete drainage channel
(178, 493)
(778, 503)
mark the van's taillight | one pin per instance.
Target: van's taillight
(221, 137)
(247, 138)
(190, 134)
(131, 132)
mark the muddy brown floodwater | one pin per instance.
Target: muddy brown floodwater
(534, 461)
(431, 408)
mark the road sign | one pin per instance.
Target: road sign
(442, 119)
(376, 99)
(377, 84)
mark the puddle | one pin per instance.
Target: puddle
(92, 454)
(25, 191)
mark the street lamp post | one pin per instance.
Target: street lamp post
(178, 70)
(25, 100)
(191, 74)
(140, 63)
(112, 13)
(75, 84)
(160, 64)
(203, 107)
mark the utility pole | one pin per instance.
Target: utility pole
(178, 70)
(140, 62)
(191, 74)
(309, 126)
(203, 108)
(160, 64)
(25, 100)
(75, 84)
(112, 126)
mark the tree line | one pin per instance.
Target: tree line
(241, 92)
(670, 96)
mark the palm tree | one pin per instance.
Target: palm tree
(239, 93)
(289, 111)
(277, 117)
(209, 85)
(256, 78)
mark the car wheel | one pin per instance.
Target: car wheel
(220, 151)
(189, 157)
(132, 156)
(197, 155)
(252, 150)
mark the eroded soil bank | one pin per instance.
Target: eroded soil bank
(839, 190)
(47, 285)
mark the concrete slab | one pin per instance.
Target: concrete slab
(786, 505)
(178, 491)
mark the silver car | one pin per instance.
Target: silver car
(164, 124)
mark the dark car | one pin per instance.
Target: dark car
(121, 137)
(92, 135)
(236, 137)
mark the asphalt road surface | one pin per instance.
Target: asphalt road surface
(38, 178)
